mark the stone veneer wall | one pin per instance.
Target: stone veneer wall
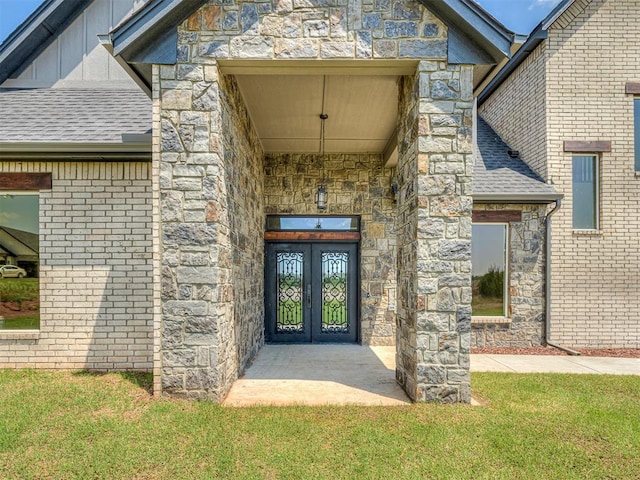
(526, 270)
(434, 233)
(244, 216)
(356, 185)
(95, 269)
(325, 29)
(212, 210)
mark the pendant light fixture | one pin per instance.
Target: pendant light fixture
(321, 194)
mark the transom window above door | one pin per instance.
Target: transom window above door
(279, 223)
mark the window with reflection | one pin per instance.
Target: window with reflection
(636, 119)
(489, 267)
(19, 261)
(585, 192)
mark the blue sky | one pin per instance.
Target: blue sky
(518, 15)
(13, 13)
(521, 16)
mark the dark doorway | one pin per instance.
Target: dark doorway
(311, 292)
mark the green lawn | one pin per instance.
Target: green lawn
(291, 311)
(61, 425)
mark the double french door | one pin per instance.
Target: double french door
(311, 292)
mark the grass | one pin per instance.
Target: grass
(487, 306)
(19, 290)
(25, 322)
(63, 425)
(290, 312)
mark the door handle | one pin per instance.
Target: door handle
(309, 296)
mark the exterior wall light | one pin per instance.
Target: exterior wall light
(321, 197)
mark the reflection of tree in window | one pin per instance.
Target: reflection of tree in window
(489, 261)
(19, 262)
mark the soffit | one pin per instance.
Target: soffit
(285, 110)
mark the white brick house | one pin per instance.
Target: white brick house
(75, 133)
(178, 234)
(566, 102)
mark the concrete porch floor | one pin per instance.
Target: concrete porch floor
(319, 375)
(358, 375)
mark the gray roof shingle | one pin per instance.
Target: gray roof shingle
(72, 115)
(18, 242)
(500, 178)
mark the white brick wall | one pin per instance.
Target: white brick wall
(596, 279)
(517, 111)
(95, 269)
(591, 52)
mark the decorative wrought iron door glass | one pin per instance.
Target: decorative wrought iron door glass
(311, 292)
(335, 270)
(290, 288)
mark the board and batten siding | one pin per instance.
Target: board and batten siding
(76, 58)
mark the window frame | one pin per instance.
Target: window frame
(597, 199)
(27, 333)
(636, 135)
(354, 219)
(506, 305)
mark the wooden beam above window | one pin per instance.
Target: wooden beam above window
(312, 236)
(496, 216)
(25, 181)
(632, 88)
(586, 146)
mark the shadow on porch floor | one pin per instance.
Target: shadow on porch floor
(319, 375)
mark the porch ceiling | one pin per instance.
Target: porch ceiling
(285, 109)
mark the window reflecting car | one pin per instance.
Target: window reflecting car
(11, 271)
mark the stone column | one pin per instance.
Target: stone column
(189, 184)
(434, 233)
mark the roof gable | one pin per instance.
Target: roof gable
(58, 47)
(141, 37)
(36, 33)
(470, 21)
(150, 35)
(72, 96)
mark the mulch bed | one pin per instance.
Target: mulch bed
(588, 352)
(13, 310)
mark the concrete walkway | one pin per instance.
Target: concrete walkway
(357, 375)
(554, 364)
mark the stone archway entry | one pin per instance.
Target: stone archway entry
(222, 78)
